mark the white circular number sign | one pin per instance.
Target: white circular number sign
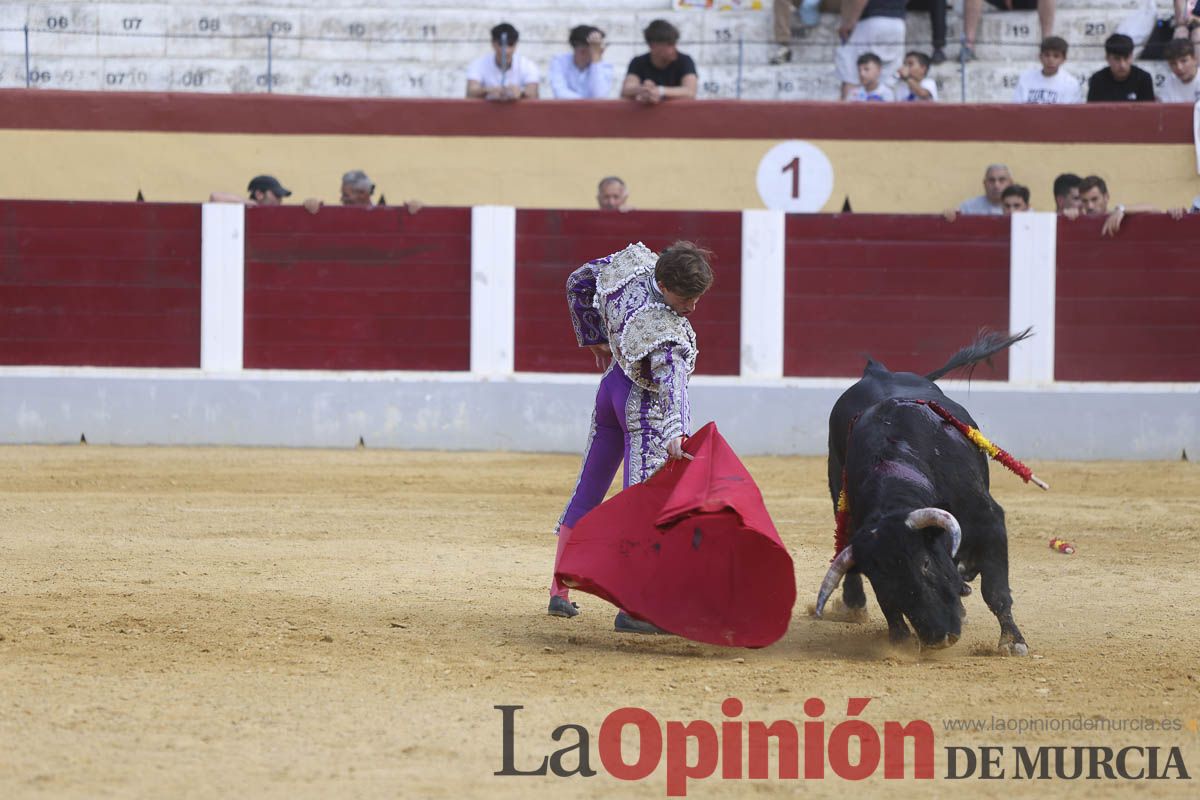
(795, 176)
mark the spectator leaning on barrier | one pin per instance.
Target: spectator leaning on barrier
(996, 179)
(1015, 198)
(973, 12)
(265, 190)
(914, 83)
(612, 194)
(582, 73)
(662, 74)
(869, 26)
(1066, 192)
(1050, 83)
(1120, 81)
(502, 75)
(869, 90)
(357, 189)
(1181, 85)
(1093, 196)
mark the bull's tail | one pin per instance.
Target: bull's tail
(986, 345)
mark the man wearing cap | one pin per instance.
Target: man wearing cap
(265, 190)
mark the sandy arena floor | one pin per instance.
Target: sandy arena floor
(266, 623)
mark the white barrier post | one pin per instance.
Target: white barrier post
(1032, 266)
(493, 288)
(222, 286)
(762, 294)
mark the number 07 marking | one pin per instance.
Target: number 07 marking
(795, 176)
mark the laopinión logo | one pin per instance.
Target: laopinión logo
(742, 749)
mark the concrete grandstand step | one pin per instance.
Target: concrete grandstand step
(421, 48)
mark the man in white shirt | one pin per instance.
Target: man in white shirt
(1181, 86)
(581, 74)
(869, 88)
(502, 75)
(1051, 84)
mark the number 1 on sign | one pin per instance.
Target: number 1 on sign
(794, 166)
(804, 193)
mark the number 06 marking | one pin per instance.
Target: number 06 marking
(795, 176)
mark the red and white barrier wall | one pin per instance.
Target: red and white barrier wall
(138, 323)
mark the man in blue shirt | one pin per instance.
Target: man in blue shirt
(581, 74)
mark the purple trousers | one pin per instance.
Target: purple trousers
(626, 430)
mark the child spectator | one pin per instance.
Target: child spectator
(1120, 81)
(869, 89)
(1181, 85)
(1051, 84)
(1015, 198)
(873, 26)
(915, 83)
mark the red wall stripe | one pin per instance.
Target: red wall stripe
(39, 109)
(350, 289)
(552, 244)
(908, 291)
(99, 284)
(1128, 307)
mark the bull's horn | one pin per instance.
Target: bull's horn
(937, 518)
(843, 562)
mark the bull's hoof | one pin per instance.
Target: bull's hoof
(949, 640)
(1013, 648)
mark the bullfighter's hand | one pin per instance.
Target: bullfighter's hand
(603, 354)
(675, 449)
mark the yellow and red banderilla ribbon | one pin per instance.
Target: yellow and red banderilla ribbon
(981, 441)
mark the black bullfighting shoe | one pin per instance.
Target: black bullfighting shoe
(627, 624)
(562, 607)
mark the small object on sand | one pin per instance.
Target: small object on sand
(1062, 546)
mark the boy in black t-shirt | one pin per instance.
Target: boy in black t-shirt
(1120, 81)
(662, 74)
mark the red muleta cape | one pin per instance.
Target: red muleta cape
(691, 550)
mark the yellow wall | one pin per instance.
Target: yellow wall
(878, 176)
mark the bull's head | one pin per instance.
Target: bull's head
(909, 559)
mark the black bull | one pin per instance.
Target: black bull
(922, 521)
